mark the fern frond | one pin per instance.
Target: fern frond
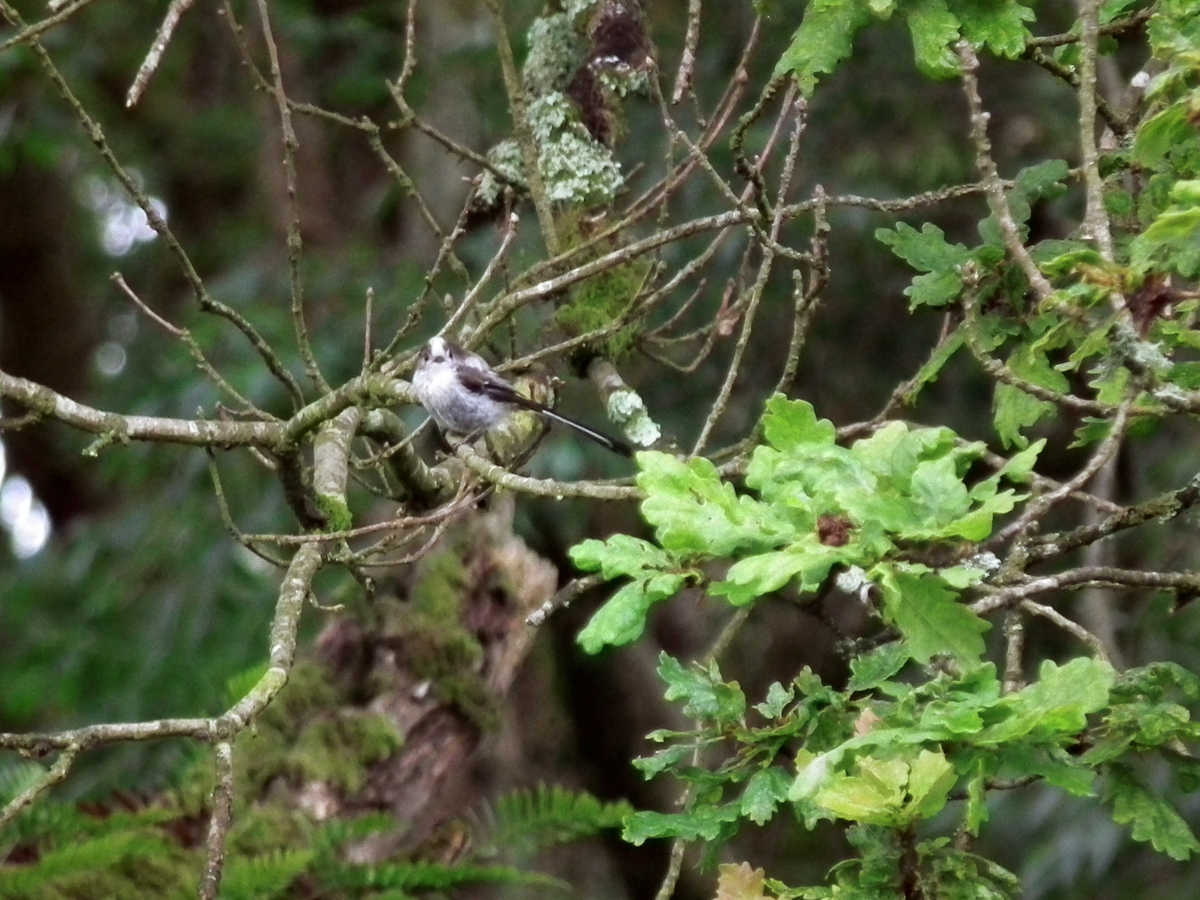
(97, 854)
(418, 876)
(529, 820)
(41, 822)
(265, 876)
(336, 833)
(17, 777)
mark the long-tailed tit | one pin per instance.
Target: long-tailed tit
(466, 397)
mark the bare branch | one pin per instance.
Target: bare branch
(28, 33)
(219, 821)
(519, 106)
(1036, 509)
(1182, 584)
(119, 428)
(295, 241)
(563, 597)
(592, 490)
(1095, 218)
(150, 64)
(202, 362)
(1074, 628)
(687, 62)
(49, 778)
(991, 178)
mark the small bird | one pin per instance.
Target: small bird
(465, 396)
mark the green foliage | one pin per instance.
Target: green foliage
(826, 33)
(426, 876)
(1151, 818)
(946, 265)
(923, 731)
(124, 854)
(1172, 240)
(132, 854)
(601, 301)
(818, 506)
(824, 38)
(541, 817)
(890, 755)
(263, 877)
(927, 251)
(1070, 333)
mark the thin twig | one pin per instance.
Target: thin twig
(1180, 583)
(991, 177)
(227, 521)
(397, 524)
(687, 62)
(541, 487)
(1047, 61)
(1014, 651)
(410, 48)
(1163, 508)
(368, 325)
(807, 296)
(1135, 21)
(150, 64)
(498, 259)
(202, 362)
(518, 102)
(1073, 628)
(790, 107)
(49, 778)
(1005, 374)
(28, 33)
(295, 241)
(1036, 510)
(563, 597)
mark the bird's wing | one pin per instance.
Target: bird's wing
(489, 384)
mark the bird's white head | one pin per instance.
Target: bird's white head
(437, 350)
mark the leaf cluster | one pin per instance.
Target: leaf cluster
(924, 730)
(871, 510)
(892, 756)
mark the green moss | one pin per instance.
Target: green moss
(602, 299)
(266, 828)
(438, 588)
(337, 513)
(309, 734)
(309, 692)
(340, 749)
(436, 645)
